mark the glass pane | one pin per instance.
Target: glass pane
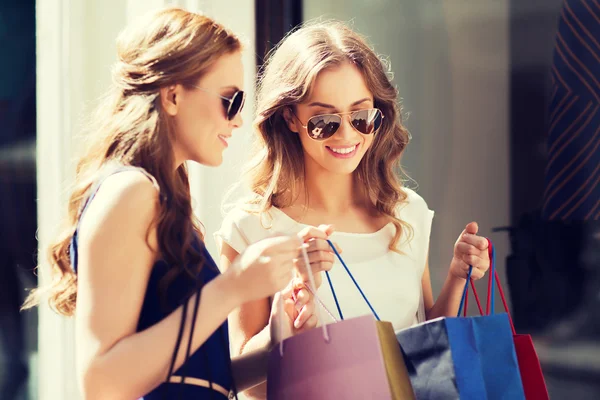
(496, 94)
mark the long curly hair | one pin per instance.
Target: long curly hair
(163, 48)
(276, 171)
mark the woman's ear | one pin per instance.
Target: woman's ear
(169, 99)
(290, 119)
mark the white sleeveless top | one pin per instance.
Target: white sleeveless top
(390, 281)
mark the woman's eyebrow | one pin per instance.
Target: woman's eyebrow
(324, 105)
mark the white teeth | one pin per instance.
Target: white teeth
(346, 150)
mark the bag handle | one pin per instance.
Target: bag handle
(353, 280)
(493, 278)
(489, 308)
(464, 299)
(309, 287)
(465, 296)
(492, 255)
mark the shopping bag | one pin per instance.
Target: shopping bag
(529, 365)
(463, 357)
(358, 358)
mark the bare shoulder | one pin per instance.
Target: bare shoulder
(125, 204)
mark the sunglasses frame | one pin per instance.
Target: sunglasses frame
(341, 115)
(230, 100)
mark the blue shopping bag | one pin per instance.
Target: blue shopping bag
(463, 357)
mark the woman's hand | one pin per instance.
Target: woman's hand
(470, 249)
(299, 312)
(265, 267)
(320, 254)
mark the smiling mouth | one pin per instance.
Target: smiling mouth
(343, 152)
(224, 139)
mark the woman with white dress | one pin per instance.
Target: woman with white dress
(329, 141)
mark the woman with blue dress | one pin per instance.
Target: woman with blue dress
(149, 303)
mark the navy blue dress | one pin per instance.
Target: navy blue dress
(211, 363)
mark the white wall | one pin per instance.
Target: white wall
(75, 46)
(75, 49)
(451, 64)
(210, 184)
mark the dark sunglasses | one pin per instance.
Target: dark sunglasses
(233, 105)
(324, 126)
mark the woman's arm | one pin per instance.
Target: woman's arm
(250, 369)
(254, 329)
(250, 337)
(469, 250)
(449, 299)
(115, 259)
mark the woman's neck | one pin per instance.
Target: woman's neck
(329, 193)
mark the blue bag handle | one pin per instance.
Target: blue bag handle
(491, 283)
(353, 280)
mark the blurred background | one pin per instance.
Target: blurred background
(481, 84)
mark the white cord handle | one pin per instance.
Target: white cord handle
(311, 278)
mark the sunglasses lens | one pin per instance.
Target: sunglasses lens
(323, 127)
(236, 105)
(366, 121)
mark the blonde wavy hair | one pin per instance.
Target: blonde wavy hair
(163, 48)
(276, 171)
